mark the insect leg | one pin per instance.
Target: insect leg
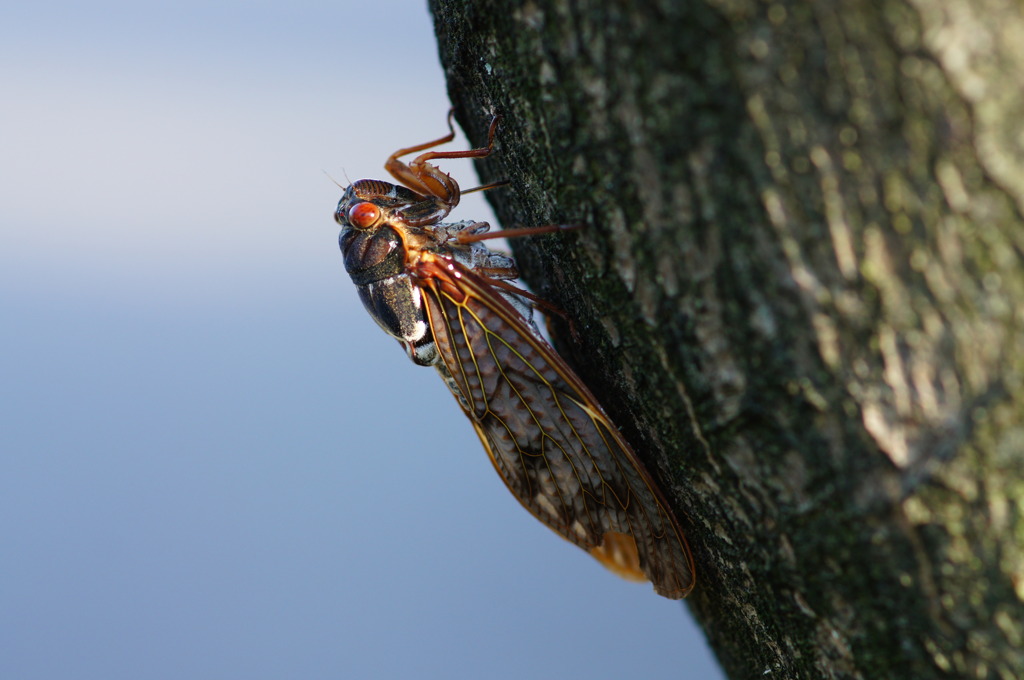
(465, 237)
(482, 152)
(393, 158)
(416, 175)
(426, 178)
(549, 309)
(485, 187)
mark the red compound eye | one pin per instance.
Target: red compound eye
(363, 215)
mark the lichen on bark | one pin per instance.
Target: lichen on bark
(799, 292)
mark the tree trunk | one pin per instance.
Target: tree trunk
(799, 293)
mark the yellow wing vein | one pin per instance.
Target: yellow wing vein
(489, 337)
(639, 502)
(556, 396)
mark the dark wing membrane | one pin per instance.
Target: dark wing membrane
(548, 438)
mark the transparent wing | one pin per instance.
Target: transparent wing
(548, 438)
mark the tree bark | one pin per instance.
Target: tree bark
(799, 293)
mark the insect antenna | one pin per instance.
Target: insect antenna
(340, 186)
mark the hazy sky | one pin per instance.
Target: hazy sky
(212, 462)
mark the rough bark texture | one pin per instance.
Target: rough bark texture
(799, 293)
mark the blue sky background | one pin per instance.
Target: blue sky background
(212, 462)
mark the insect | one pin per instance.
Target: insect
(445, 297)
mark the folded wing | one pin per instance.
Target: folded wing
(547, 436)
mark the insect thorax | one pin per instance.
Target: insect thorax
(376, 260)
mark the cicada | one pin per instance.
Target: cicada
(446, 298)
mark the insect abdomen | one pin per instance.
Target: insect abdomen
(376, 263)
